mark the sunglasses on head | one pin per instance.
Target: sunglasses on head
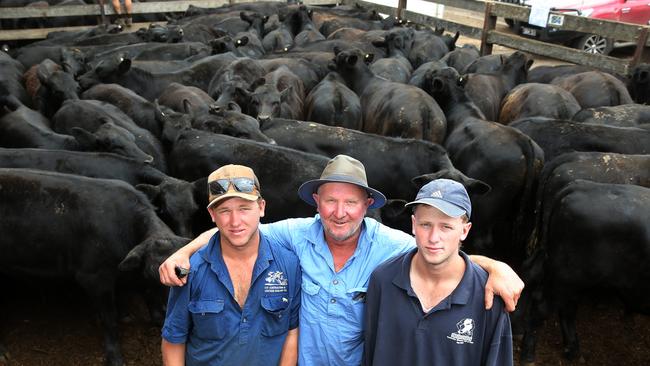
(220, 186)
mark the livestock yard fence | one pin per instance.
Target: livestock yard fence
(488, 34)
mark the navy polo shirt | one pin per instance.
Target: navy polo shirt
(457, 331)
(205, 316)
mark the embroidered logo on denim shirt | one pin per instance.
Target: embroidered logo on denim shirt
(276, 282)
(465, 332)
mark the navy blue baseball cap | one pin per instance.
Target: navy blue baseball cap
(446, 195)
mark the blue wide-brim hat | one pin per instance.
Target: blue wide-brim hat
(341, 169)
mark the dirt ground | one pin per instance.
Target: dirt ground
(55, 326)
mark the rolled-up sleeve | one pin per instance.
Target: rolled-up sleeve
(177, 320)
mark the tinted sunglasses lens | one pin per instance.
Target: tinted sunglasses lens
(244, 185)
(218, 187)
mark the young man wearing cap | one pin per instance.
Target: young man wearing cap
(425, 307)
(338, 250)
(242, 299)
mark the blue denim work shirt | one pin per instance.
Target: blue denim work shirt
(205, 316)
(331, 312)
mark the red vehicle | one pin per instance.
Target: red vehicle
(629, 11)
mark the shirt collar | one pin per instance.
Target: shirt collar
(461, 293)
(213, 255)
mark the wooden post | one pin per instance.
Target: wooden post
(401, 6)
(489, 23)
(642, 38)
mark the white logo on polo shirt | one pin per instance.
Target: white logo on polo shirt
(464, 333)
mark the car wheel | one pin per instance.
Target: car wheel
(593, 43)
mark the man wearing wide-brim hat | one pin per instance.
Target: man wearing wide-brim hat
(338, 250)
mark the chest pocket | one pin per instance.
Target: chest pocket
(208, 319)
(276, 315)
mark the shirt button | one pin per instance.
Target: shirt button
(244, 320)
(336, 282)
(333, 301)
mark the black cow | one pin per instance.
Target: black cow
(557, 137)
(395, 66)
(92, 114)
(639, 84)
(332, 103)
(625, 115)
(67, 226)
(487, 90)
(431, 46)
(188, 99)
(545, 74)
(596, 238)
(238, 74)
(537, 100)
(461, 57)
(53, 85)
(279, 93)
(389, 108)
(173, 198)
(595, 89)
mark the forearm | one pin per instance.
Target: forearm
(484, 262)
(289, 356)
(198, 242)
(173, 354)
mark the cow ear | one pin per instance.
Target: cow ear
(421, 180)
(242, 93)
(187, 107)
(243, 16)
(232, 106)
(284, 95)
(133, 259)
(151, 191)
(265, 19)
(257, 83)
(379, 43)
(529, 63)
(243, 41)
(311, 14)
(125, 65)
(477, 187)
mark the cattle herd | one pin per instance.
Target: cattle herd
(106, 139)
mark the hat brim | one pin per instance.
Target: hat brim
(246, 196)
(308, 188)
(447, 208)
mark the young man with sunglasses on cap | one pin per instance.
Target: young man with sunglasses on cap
(338, 250)
(425, 307)
(242, 299)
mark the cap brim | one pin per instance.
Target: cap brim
(308, 188)
(246, 196)
(447, 208)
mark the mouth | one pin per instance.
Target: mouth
(434, 250)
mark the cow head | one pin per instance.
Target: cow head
(232, 123)
(110, 138)
(149, 254)
(174, 202)
(266, 101)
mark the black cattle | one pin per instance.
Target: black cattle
(309, 74)
(11, 76)
(279, 93)
(395, 66)
(626, 115)
(596, 238)
(156, 51)
(93, 114)
(23, 127)
(173, 198)
(485, 64)
(388, 160)
(149, 85)
(389, 108)
(487, 90)
(332, 25)
(639, 84)
(140, 110)
(280, 170)
(461, 57)
(595, 89)
(431, 46)
(72, 59)
(557, 137)
(238, 74)
(188, 99)
(417, 78)
(231, 122)
(154, 33)
(502, 157)
(594, 166)
(50, 85)
(332, 103)
(545, 74)
(66, 226)
(303, 28)
(537, 100)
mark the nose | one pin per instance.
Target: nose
(434, 236)
(263, 117)
(340, 210)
